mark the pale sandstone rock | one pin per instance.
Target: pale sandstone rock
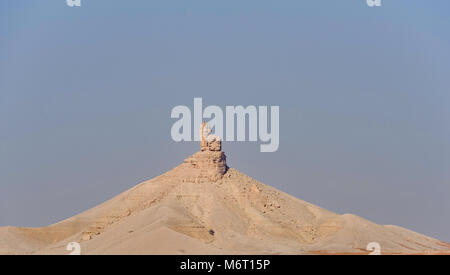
(210, 162)
(209, 142)
(86, 236)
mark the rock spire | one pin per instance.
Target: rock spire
(209, 164)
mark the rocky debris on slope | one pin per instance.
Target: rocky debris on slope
(209, 164)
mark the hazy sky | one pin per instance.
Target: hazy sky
(86, 95)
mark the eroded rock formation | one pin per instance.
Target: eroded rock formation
(209, 164)
(208, 141)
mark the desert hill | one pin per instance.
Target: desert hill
(204, 207)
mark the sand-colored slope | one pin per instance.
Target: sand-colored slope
(235, 214)
(203, 207)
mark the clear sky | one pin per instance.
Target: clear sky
(364, 96)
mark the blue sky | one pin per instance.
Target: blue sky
(86, 95)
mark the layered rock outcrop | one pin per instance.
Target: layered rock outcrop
(209, 142)
(209, 164)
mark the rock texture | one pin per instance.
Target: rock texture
(209, 164)
(209, 142)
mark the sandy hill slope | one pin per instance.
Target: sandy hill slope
(204, 207)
